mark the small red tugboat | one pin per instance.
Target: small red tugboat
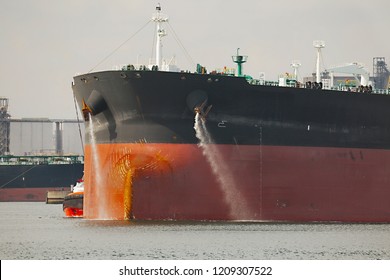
(73, 202)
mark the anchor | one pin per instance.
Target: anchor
(86, 111)
(200, 110)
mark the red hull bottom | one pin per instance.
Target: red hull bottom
(25, 194)
(237, 183)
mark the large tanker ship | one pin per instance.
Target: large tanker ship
(167, 145)
(29, 178)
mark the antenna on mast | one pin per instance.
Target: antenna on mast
(159, 18)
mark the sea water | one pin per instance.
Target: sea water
(35, 230)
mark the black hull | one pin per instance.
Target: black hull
(154, 106)
(40, 176)
(31, 182)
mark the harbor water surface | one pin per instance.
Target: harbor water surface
(36, 230)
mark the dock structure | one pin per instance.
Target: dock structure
(4, 126)
(56, 197)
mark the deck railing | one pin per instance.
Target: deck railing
(41, 159)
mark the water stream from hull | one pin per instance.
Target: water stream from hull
(225, 178)
(96, 180)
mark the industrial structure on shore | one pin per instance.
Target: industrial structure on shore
(38, 155)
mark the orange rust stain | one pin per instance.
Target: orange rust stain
(120, 165)
(128, 194)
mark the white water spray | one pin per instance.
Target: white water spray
(96, 172)
(234, 199)
(95, 153)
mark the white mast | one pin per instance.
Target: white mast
(295, 64)
(318, 45)
(159, 18)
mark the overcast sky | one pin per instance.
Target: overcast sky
(44, 43)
